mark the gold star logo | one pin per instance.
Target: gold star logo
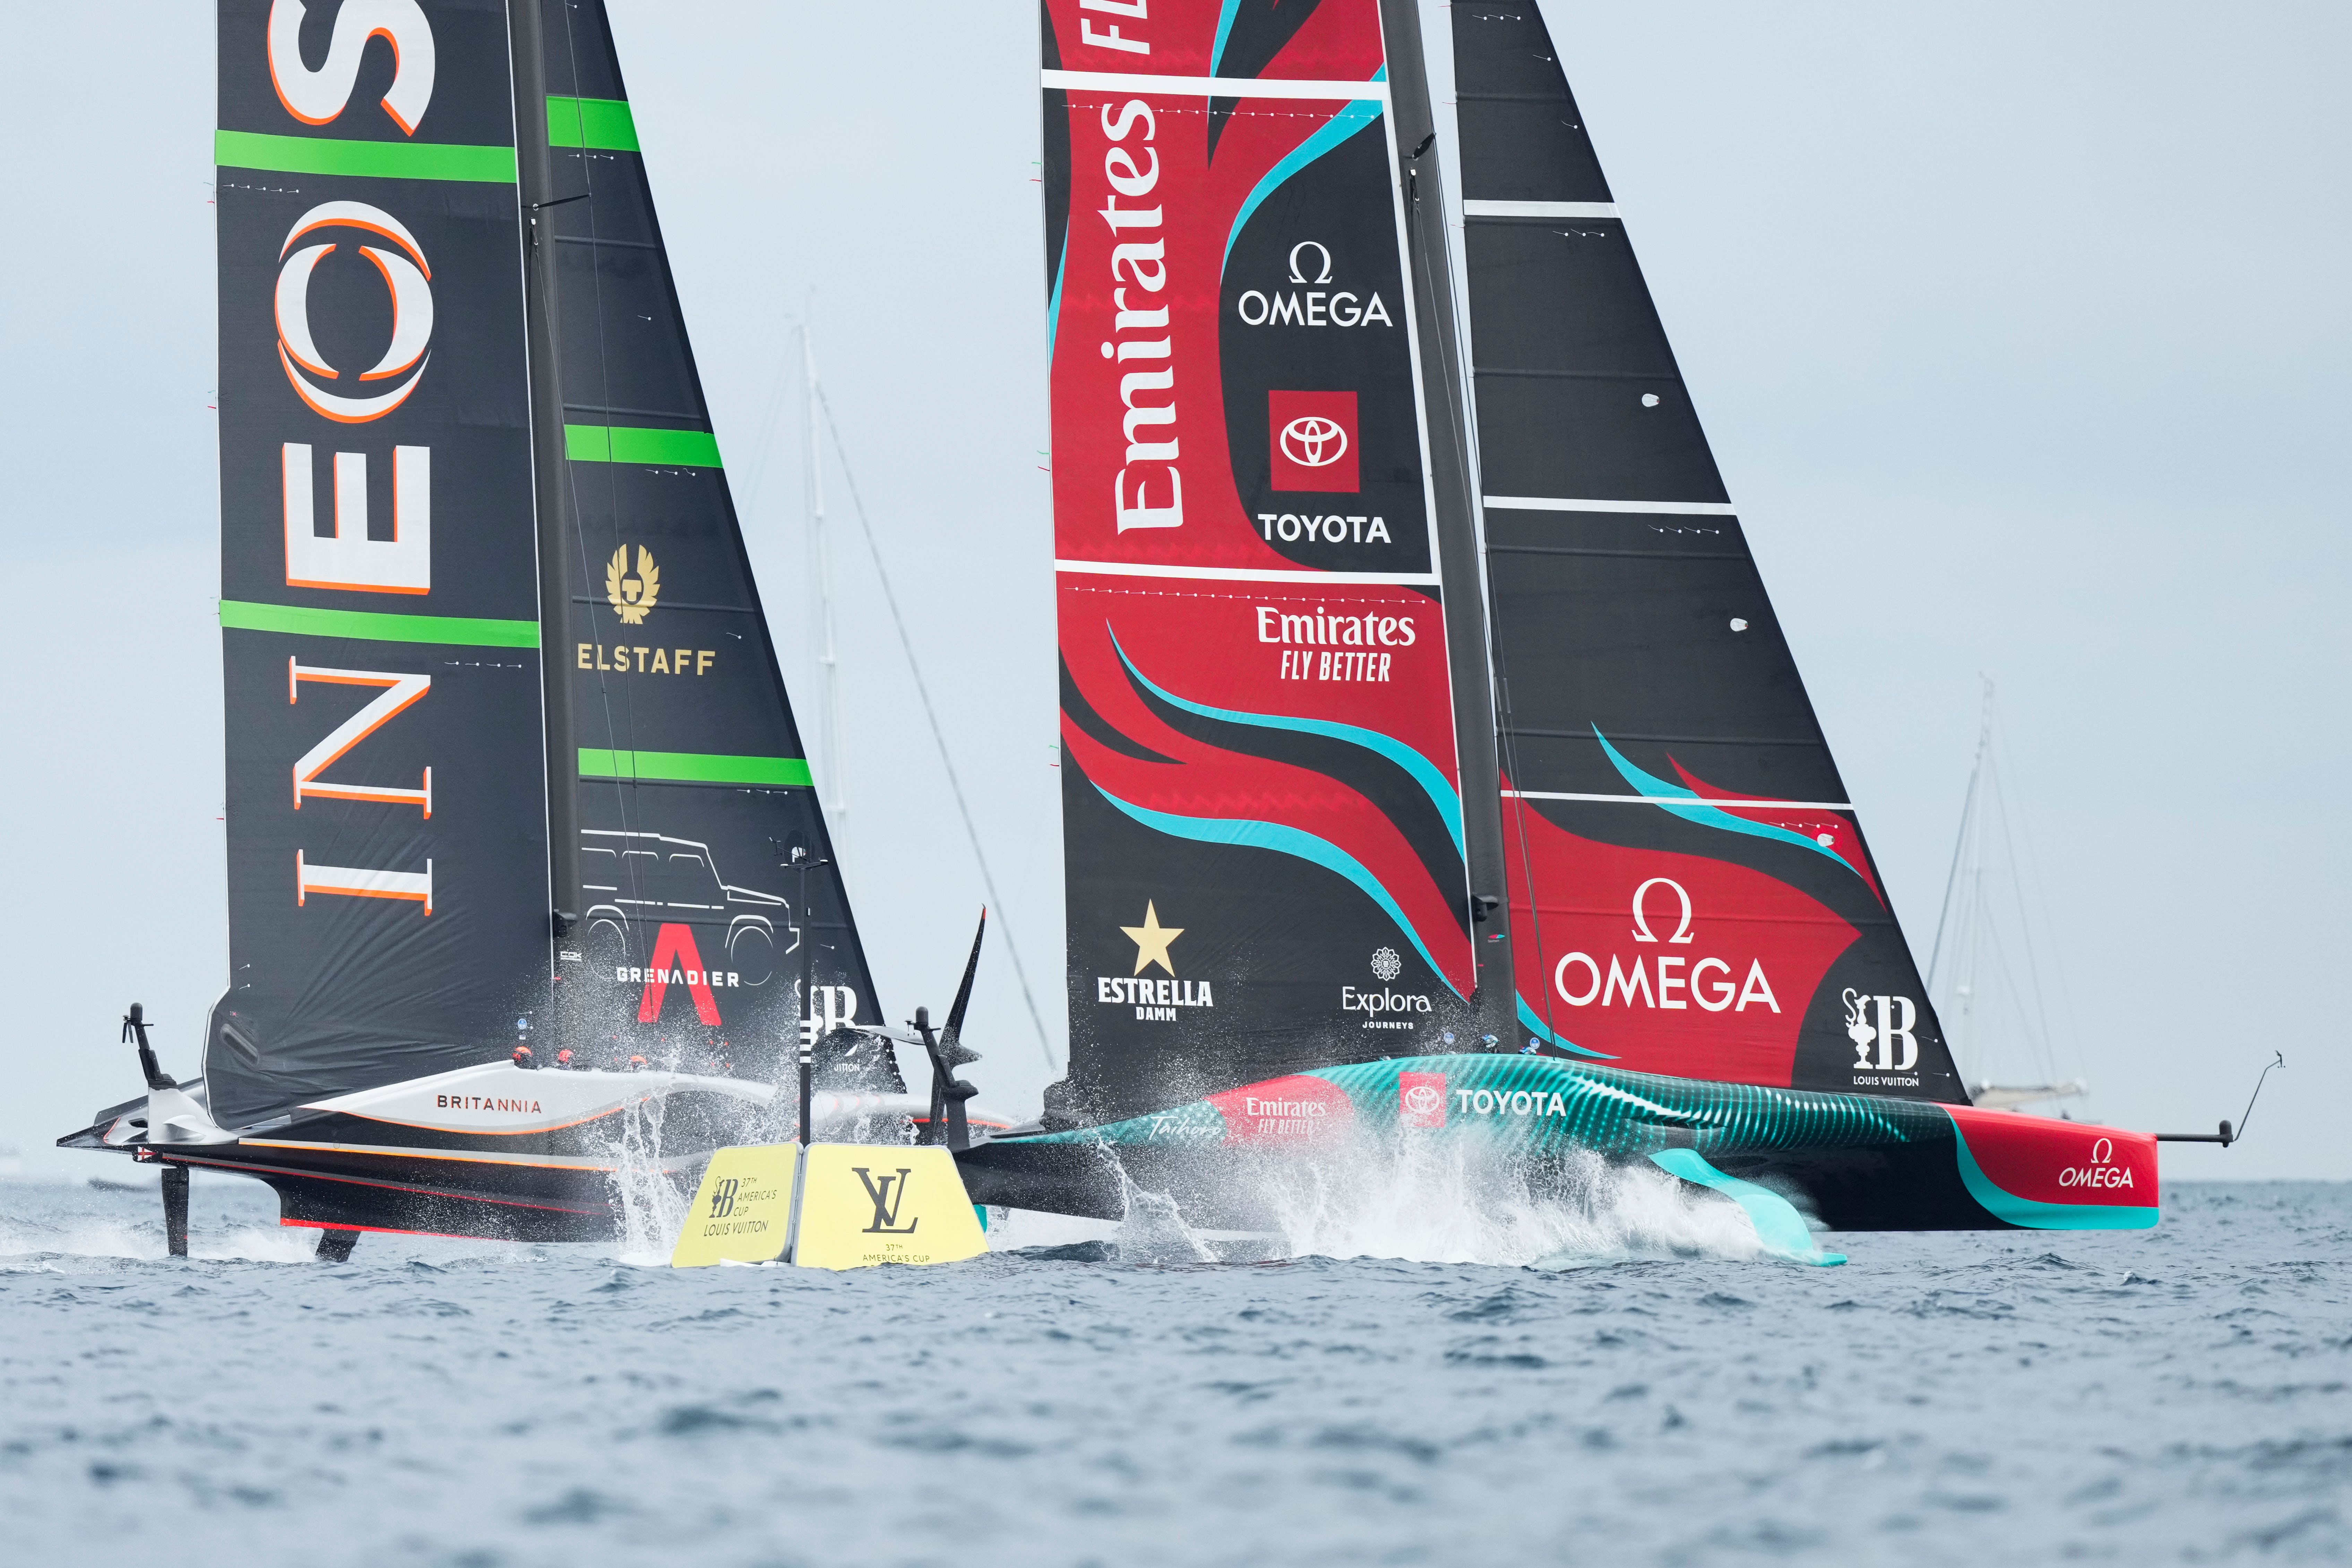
(1152, 939)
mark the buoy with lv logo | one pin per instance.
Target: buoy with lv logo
(864, 1203)
(838, 1205)
(743, 1210)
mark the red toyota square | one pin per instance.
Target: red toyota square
(1421, 1098)
(1313, 435)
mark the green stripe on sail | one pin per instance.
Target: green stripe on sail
(691, 767)
(377, 160)
(243, 616)
(603, 124)
(637, 444)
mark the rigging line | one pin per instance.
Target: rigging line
(2022, 1019)
(1984, 732)
(768, 422)
(2024, 926)
(955, 784)
(2057, 960)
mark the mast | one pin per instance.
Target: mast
(829, 770)
(539, 195)
(1461, 567)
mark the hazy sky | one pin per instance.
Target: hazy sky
(2019, 332)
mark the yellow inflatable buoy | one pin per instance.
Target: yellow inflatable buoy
(868, 1203)
(743, 1210)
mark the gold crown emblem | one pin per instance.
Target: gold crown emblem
(632, 596)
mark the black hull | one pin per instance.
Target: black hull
(1903, 1188)
(420, 1194)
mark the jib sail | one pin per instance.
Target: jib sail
(683, 785)
(1690, 892)
(387, 846)
(1262, 805)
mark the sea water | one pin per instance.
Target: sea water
(1643, 1389)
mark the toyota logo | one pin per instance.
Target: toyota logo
(1423, 1100)
(1312, 441)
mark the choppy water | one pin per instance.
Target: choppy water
(2180, 1395)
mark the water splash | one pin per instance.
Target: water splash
(1455, 1204)
(102, 1224)
(648, 1201)
(1154, 1233)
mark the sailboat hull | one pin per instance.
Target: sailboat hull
(490, 1150)
(1530, 1128)
(347, 1189)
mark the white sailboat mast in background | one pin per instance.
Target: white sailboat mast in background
(1986, 970)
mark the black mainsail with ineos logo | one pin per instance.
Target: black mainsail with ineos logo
(510, 762)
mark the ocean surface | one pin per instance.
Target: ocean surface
(1642, 1388)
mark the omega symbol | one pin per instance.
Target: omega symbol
(1642, 931)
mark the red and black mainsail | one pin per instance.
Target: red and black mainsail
(1295, 786)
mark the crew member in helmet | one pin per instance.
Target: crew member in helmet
(523, 1059)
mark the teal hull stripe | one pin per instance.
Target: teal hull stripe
(1706, 816)
(1424, 772)
(1351, 118)
(1054, 305)
(1226, 15)
(1284, 840)
(1535, 1026)
(2002, 1203)
(1606, 1109)
(1778, 1223)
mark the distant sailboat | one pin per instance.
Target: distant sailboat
(1993, 969)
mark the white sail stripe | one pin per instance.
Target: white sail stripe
(1242, 573)
(1540, 209)
(1214, 85)
(1685, 800)
(1653, 508)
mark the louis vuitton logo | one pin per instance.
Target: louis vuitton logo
(887, 1196)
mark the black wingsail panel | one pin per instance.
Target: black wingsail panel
(1690, 892)
(690, 780)
(387, 852)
